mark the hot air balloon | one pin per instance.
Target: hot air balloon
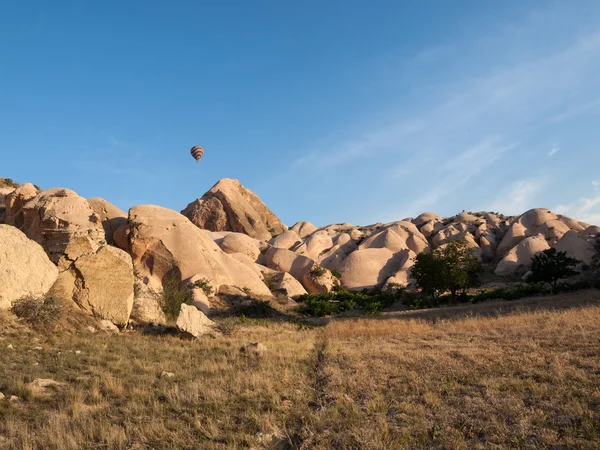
(197, 152)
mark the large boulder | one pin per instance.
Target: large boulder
(371, 267)
(100, 283)
(315, 245)
(164, 243)
(110, 216)
(25, 270)
(281, 282)
(319, 280)
(14, 202)
(521, 255)
(193, 322)
(536, 217)
(426, 217)
(333, 258)
(63, 223)
(229, 206)
(396, 237)
(515, 234)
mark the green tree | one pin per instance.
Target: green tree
(550, 266)
(453, 268)
(462, 267)
(429, 273)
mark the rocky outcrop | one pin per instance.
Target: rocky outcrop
(25, 270)
(193, 322)
(63, 223)
(286, 240)
(100, 283)
(319, 281)
(521, 255)
(110, 216)
(229, 206)
(15, 201)
(284, 283)
(164, 243)
(287, 261)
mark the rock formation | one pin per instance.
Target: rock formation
(25, 270)
(229, 206)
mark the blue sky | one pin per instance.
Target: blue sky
(330, 111)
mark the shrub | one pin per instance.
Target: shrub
(550, 266)
(203, 284)
(336, 274)
(317, 271)
(173, 298)
(40, 315)
(342, 300)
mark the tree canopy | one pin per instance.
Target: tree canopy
(550, 266)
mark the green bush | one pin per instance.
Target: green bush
(550, 266)
(203, 284)
(337, 274)
(341, 300)
(40, 315)
(173, 298)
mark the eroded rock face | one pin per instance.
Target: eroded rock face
(63, 223)
(110, 216)
(286, 284)
(25, 270)
(303, 229)
(15, 201)
(164, 243)
(229, 206)
(319, 281)
(100, 283)
(241, 243)
(576, 246)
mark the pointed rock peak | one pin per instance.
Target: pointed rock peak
(229, 206)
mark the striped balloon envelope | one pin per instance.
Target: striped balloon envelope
(197, 152)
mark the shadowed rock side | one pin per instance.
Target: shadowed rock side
(229, 206)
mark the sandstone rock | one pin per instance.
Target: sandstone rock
(514, 235)
(110, 216)
(192, 321)
(552, 230)
(248, 262)
(319, 280)
(108, 327)
(284, 283)
(521, 255)
(315, 245)
(536, 217)
(15, 201)
(100, 283)
(242, 243)
(426, 217)
(396, 237)
(431, 228)
(229, 206)
(591, 231)
(286, 240)
(576, 246)
(166, 374)
(164, 243)
(573, 224)
(286, 261)
(303, 229)
(332, 259)
(147, 306)
(63, 223)
(25, 270)
(371, 267)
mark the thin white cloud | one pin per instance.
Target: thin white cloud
(586, 209)
(518, 197)
(554, 150)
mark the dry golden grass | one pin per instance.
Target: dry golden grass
(518, 379)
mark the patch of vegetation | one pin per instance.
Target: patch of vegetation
(341, 300)
(41, 315)
(173, 298)
(550, 266)
(454, 268)
(336, 274)
(317, 271)
(256, 309)
(204, 284)
(8, 182)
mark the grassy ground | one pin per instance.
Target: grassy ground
(524, 376)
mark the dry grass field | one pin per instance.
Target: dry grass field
(524, 375)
